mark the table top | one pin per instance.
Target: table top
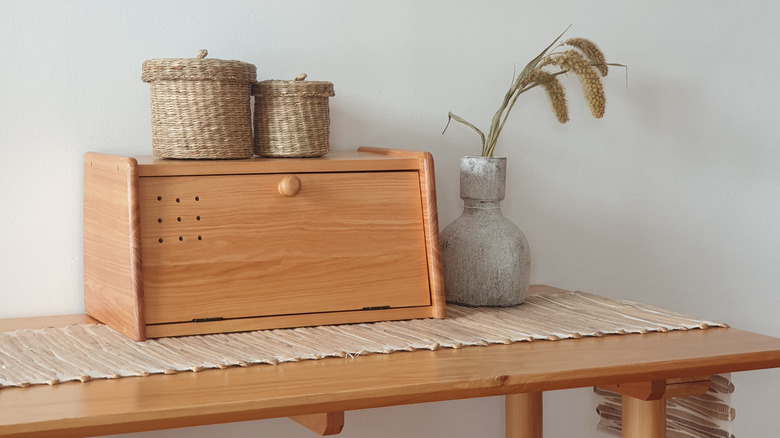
(134, 404)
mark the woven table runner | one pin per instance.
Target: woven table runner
(95, 351)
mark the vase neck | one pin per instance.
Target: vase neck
(481, 203)
(482, 178)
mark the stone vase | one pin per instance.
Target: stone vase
(485, 257)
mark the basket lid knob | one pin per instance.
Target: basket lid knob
(300, 77)
(202, 53)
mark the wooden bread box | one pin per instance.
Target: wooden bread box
(183, 247)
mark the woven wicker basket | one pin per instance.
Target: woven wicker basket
(200, 107)
(292, 118)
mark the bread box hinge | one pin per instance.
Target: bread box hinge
(219, 318)
(376, 308)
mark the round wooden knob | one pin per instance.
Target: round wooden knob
(290, 185)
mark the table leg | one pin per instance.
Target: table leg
(644, 418)
(644, 403)
(328, 423)
(523, 416)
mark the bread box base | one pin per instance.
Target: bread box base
(177, 248)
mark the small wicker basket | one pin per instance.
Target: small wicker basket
(200, 107)
(292, 118)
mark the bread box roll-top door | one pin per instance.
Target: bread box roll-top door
(242, 246)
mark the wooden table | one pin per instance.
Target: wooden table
(644, 368)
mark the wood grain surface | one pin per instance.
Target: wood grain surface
(113, 277)
(179, 247)
(340, 384)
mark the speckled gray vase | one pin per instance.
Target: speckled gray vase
(485, 257)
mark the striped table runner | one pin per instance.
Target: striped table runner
(95, 351)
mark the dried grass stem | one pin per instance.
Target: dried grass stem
(583, 58)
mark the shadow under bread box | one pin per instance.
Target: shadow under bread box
(176, 247)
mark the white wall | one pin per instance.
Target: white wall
(672, 199)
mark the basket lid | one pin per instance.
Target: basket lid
(198, 69)
(297, 87)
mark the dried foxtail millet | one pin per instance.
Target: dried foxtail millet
(555, 92)
(584, 59)
(573, 61)
(591, 51)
